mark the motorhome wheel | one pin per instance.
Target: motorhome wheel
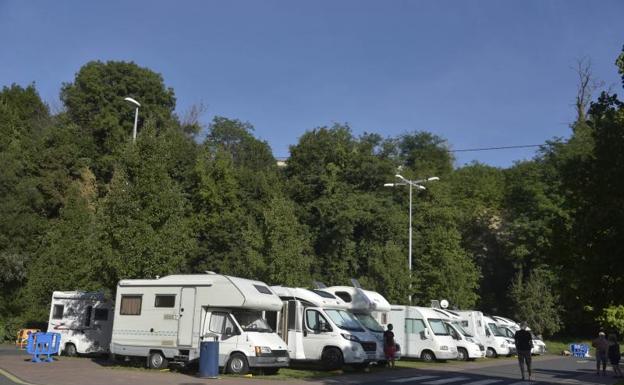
(70, 350)
(491, 353)
(332, 359)
(427, 356)
(156, 360)
(237, 364)
(462, 354)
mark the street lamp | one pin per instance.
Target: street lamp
(136, 116)
(418, 185)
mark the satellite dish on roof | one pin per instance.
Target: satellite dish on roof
(444, 304)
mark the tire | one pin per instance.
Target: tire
(462, 354)
(157, 360)
(332, 359)
(237, 364)
(427, 356)
(270, 371)
(491, 353)
(70, 350)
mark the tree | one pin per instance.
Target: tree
(535, 301)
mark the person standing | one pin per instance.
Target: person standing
(602, 346)
(389, 345)
(614, 354)
(524, 344)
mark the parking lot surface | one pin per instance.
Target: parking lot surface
(87, 371)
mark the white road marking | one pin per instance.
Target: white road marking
(483, 382)
(446, 380)
(523, 383)
(408, 379)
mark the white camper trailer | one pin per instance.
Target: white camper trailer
(422, 333)
(484, 329)
(365, 305)
(84, 321)
(317, 327)
(165, 319)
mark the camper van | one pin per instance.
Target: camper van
(84, 320)
(468, 348)
(485, 330)
(509, 328)
(317, 326)
(165, 319)
(365, 305)
(422, 333)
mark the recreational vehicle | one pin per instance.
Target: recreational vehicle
(422, 333)
(468, 348)
(509, 328)
(84, 321)
(484, 329)
(165, 319)
(317, 326)
(364, 304)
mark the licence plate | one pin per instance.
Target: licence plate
(281, 359)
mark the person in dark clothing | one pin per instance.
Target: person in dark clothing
(614, 355)
(524, 344)
(602, 346)
(389, 345)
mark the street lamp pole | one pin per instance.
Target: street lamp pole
(417, 184)
(136, 117)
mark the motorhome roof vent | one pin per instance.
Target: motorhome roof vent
(356, 283)
(210, 272)
(319, 285)
(435, 304)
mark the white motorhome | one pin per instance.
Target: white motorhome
(510, 327)
(365, 305)
(165, 319)
(468, 348)
(84, 320)
(484, 329)
(421, 333)
(317, 326)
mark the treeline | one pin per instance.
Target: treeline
(82, 206)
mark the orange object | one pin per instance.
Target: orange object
(22, 337)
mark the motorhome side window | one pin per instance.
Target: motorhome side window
(220, 323)
(57, 313)
(130, 305)
(101, 315)
(164, 300)
(314, 319)
(464, 324)
(414, 326)
(344, 296)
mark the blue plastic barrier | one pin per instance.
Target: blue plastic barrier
(46, 344)
(579, 350)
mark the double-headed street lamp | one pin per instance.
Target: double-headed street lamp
(136, 117)
(418, 185)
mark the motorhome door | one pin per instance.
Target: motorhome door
(185, 320)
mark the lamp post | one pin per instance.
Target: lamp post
(136, 117)
(418, 185)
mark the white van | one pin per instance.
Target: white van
(363, 304)
(165, 319)
(468, 348)
(509, 327)
(484, 329)
(317, 326)
(84, 321)
(422, 333)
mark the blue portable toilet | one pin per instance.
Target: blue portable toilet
(209, 358)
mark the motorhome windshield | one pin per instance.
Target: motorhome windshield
(370, 323)
(495, 330)
(437, 325)
(457, 325)
(506, 331)
(252, 321)
(344, 320)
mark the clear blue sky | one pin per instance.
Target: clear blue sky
(478, 73)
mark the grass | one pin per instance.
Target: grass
(556, 346)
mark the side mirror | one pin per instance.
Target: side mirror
(228, 331)
(321, 326)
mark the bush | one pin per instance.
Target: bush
(612, 318)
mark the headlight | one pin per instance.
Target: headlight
(350, 337)
(443, 347)
(262, 350)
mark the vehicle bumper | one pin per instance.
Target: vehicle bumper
(446, 354)
(475, 352)
(356, 355)
(276, 359)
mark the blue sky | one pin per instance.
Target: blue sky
(478, 73)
